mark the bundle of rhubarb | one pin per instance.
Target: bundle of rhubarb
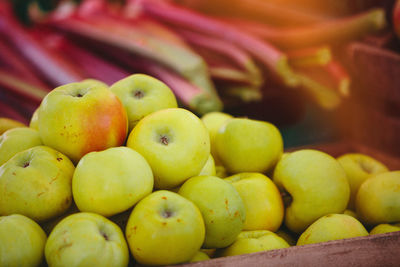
(210, 53)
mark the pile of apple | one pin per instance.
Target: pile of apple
(104, 171)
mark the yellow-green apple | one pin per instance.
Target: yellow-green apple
(209, 167)
(288, 236)
(16, 140)
(36, 183)
(213, 121)
(221, 206)
(174, 142)
(34, 122)
(254, 241)
(21, 241)
(378, 199)
(332, 227)
(7, 123)
(220, 171)
(86, 239)
(93, 82)
(385, 228)
(111, 181)
(209, 251)
(245, 145)
(358, 168)
(79, 118)
(262, 201)
(164, 228)
(141, 95)
(200, 256)
(316, 185)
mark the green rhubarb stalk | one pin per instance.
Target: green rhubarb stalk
(308, 57)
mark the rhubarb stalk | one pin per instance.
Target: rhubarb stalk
(312, 56)
(265, 53)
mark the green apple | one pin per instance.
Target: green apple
(7, 124)
(209, 167)
(174, 142)
(36, 183)
(254, 241)
(220, 171)
(34, 122)
(385, 228)
(316, 185)
(79, 118)
(200, 256)
(378, 199)
(16, 140)
(332, 227)
(245, 145)
(222, 208)
(164, 228)
(86, 239)
(141, 95)
(21, 241)
(93, 82)
(350, 213)
(358, 168)
(213, 121)
(262, 201)
(111, 181)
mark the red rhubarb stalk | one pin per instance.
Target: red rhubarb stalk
(311, 56)
(52, 67)
(340, 76)
(334, 31)
(263, 52)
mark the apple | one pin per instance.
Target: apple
(221, 206)
(245, 145)
(314, 185)
(93, 82)
(378, 199)
(262, 201)
(22, 241)
(79, 118)
(209, 167)
(164, 228)
(385, 228)
(350, 213)
(16, 140)
(86, 239)
(141, 95)
(213, 121)
(111, 181)
(332, 227)
(254, 241)
(200, 256)
(174, 142)
(220, 171)
(49, 225)
(358, 168)
(6, 124)
(36, 183)
(34, 122)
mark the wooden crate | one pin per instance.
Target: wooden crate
(374, 250)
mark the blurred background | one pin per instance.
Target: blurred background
(322, 71)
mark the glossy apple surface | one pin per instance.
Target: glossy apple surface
(86, 239)
(141, 95)
(36, 183)
(332, 227)
(245, 145)
(164, 228)
(79, 118)
(262, 200)
(16, 140)
(221, 206)
(174, 142)
(111, 181)
(314, 185)
(22, 241)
